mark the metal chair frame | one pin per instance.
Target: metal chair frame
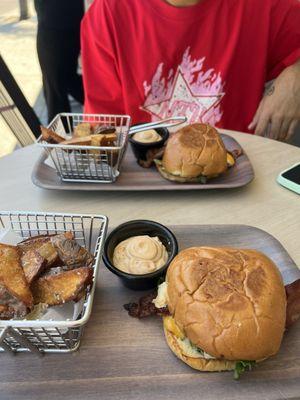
(15, 109)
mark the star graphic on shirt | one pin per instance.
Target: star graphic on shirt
(182, 101)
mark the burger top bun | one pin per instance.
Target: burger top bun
(195, 150)
(230, 303)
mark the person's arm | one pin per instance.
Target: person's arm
(279, 110)
(280, 106)
(102, 86)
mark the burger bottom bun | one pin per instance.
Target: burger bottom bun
(176, 178)
(201, 364)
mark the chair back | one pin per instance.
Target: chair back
(15, 109)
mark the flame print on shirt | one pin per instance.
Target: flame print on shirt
(190, 91)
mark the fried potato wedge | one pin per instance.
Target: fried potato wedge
(50, 136)
(43, 244)
(61, 288)
(33, 264)
(81, 130)
(15, 295)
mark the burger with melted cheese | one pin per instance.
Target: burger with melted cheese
(195, 153)
(227, 308)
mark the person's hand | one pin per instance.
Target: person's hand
(280, 106)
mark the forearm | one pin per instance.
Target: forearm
(280, 106)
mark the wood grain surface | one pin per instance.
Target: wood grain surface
(124, 358)
(133, 177)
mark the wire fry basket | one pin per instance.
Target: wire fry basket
(79, 163)
(41, 336)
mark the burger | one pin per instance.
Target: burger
(223, 308)
(227, 308)
(195, 153)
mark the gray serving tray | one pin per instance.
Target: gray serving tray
(125, 358)
(133, 177)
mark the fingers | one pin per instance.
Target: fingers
(272, 117)
(260, 120)
(292, 128)
(254, 122)
(276, 123)
(262, 124)
(285, 125)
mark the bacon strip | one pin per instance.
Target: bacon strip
(293, 303)
(236, 153)
(145, 307)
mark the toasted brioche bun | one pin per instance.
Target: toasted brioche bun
(175, 178)
(195, 150)
(200, 364)
(230, 303)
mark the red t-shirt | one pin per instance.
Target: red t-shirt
(209, 61)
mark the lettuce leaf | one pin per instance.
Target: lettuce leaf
(241, 367)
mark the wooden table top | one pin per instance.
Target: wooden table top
(263, 204)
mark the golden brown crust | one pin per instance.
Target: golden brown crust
(33, 265)
(50, 136)
(231, 303)
(176, 178)
(106, 140)
(61, 288)
(82, 129)
(200, 364)
(78, 141)
(195, 150)
(43, 246)
(100, 139)
(12, 276)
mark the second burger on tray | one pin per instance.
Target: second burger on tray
(195, 153)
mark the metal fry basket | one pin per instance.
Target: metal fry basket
(87, 163)
(39, 335)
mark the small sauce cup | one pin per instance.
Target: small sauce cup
(137, 228)
(140, 149)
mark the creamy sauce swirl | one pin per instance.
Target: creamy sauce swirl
(140, 255)
(149, 136)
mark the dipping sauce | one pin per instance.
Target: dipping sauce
(149, 136)
(140, 255)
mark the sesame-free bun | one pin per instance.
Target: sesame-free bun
(197, 363)
(230, 303)
(194, 151)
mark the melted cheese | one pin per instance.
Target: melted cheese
(171, 326)
(186, 347)
(230, 160)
